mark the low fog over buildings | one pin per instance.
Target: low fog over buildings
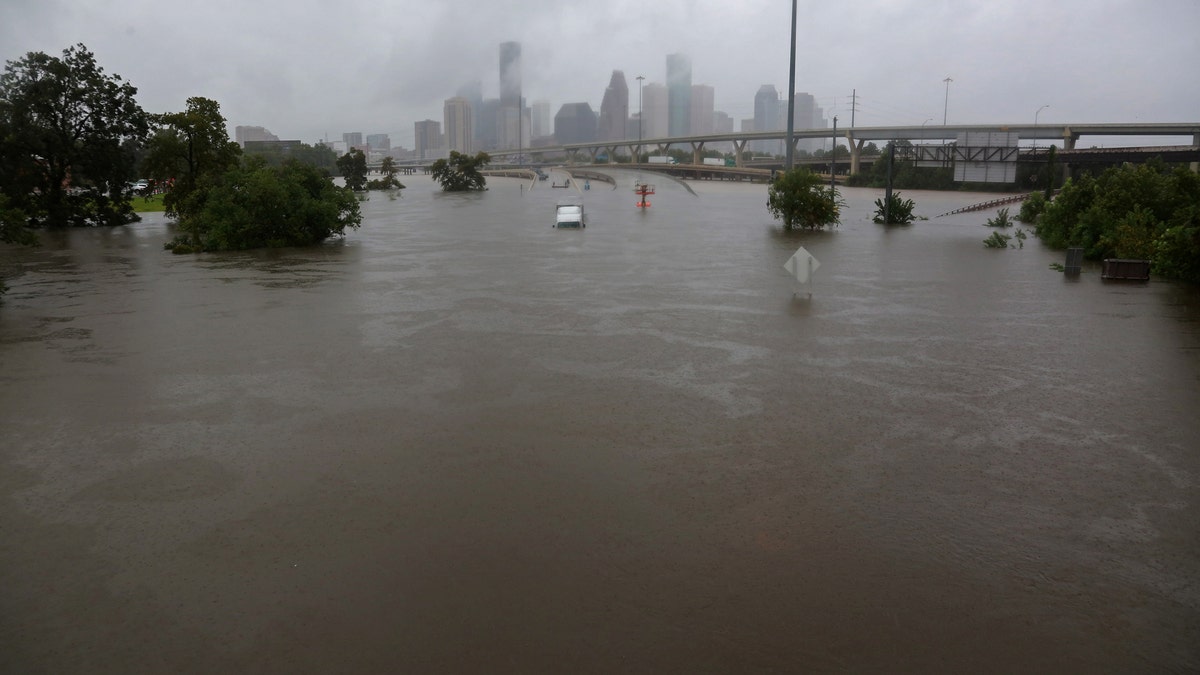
(644, 108)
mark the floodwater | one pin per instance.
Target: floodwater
(460, 440)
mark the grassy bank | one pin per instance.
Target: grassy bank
(147, 204)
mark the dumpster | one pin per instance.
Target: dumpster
(1125, 268)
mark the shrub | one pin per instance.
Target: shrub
(898, 211)
(1001, 219)
(800, 199)
(997, 240)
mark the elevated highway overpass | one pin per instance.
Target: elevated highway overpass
(857, 137)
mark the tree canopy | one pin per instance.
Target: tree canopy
(190, 151)
(1147, 211)
(353, 167)
(800, 198)
(255, 205)
(461, 172)
(67, 137)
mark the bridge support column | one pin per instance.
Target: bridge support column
(855, 154)
(738, 148)
(572, 155)
(593, 151)
(697, 152)
(1069, 140)
(612, 154)
(635, 151)
(1196, 143)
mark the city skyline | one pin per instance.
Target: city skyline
(293, 70)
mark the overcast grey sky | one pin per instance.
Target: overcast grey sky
(309, 69)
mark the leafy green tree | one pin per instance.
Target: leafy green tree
(896, 211)
(190, 152)
(321, 156)
(461, 172)
(1147, 211)
(388, 182)
(800, 198)
(66, 133)
(353, 167)
(258, 206)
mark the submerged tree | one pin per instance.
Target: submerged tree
(461, 172)
(67, 133)
(189, 153)
(800, 198)
(353, 167)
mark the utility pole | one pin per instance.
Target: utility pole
(833, 157)
(640, 115)
(787, 165)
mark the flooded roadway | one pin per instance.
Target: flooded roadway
(463, 441)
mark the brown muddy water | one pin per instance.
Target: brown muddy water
(460, 440)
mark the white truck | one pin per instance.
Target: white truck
(569, 214)
(662, 159)
(714, 161)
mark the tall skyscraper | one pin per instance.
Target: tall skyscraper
(654, 111)
(473, 92)
(456, 115)
(428, 140)
(767, 118)
(702, 110)
(243, 134)
(575, 123)
(510, 74)
(540, 127)
(679, 94)
(379, 142)
(352, 140)
(508, 116)
(614, 109)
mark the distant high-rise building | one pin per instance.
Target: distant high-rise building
(473, 92)
(379, 142)
(767, 118)
(679, 94)
(352, 140)
(487, 127)
(510, 74)
(702, 110)
(540, 127)
(654, 111)
(510, 113)
(614, 109)
(428, 140)
(244, 134)
(722, 124)
(456, 114)
(575, 123)
(748, 125)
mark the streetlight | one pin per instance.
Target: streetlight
(946, 105)
(1035, 121)
(791, 94)
(639, 145)
(927, 121)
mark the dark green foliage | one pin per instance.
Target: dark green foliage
(997, 240)
(1146, 211)
(899, 211)
(389, 181)
(905, 174)
(1001, 219)
(353, 167)
(14, 225)
(321, 156)
(800, 198)
(190, 152)
(461, 172)
(68, 133)
(258, 206)
(1032, 208)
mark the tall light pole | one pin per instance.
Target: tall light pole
(946, 105)
(1035, 122)
(791, 94)
(640, 115)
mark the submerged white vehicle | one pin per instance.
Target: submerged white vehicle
(570, 214)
